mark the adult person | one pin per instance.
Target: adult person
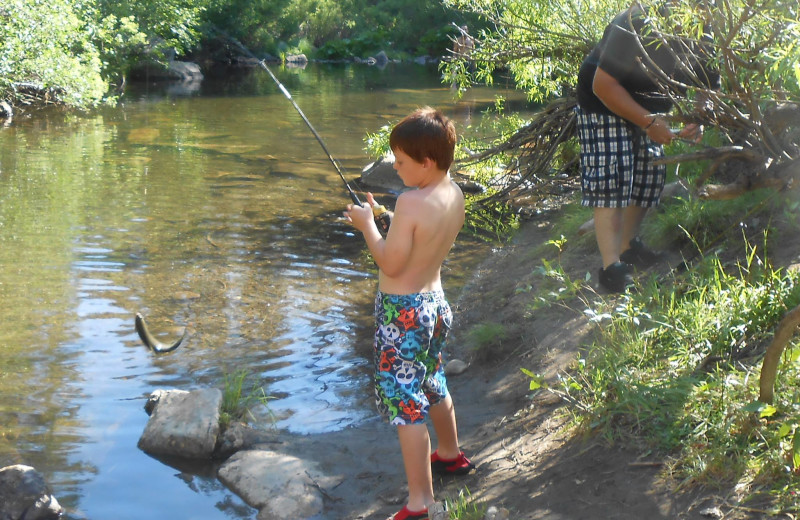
(622, 130)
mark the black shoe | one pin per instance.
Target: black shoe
(638, 255)
(616, 278)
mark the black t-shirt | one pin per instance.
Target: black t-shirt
(620, 55)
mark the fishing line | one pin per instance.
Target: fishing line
(382, 216)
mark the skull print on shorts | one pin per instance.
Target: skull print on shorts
(410, 333)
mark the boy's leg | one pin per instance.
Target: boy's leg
(443, 416)
(415, 445)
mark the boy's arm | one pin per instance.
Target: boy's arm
(391, 254)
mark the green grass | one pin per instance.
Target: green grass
(239, 398)
(675, 368)
(464, 508)
(486, 339)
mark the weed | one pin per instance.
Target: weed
(557, 284)
(486, 338)
(678, 370)
(464, 508)
(237, 400)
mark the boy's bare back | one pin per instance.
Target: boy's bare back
(428, 218)
(426, 223)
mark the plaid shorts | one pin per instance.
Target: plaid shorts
(616, 163)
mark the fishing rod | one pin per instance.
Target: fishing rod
(382, 216)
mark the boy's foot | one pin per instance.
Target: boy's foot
(460, 465)
(616, 278)
(405, 514)
(639, 255)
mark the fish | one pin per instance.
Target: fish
(151, 342)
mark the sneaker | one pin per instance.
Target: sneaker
(638, 255)
(405, 514)
(460, 465)
(616, 278)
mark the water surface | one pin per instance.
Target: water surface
(211, 208)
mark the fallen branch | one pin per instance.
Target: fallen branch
(769, 367)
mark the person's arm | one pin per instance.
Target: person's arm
(392, 253)
(619, 101)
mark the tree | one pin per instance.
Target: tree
(755, 115)
(47, 54)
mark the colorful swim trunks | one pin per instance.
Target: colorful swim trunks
(410, 333)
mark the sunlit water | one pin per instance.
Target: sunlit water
(213, 209)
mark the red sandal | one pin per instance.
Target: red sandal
(460, 465)
(405, 514)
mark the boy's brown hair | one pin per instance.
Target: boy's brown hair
(426, 132)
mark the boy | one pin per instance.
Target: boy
(411, 312)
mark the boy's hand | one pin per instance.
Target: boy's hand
(361, 216)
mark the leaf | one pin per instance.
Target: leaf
(796, 451)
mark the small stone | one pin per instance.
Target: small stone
(712, 512)
(455, 367)
(495, 513)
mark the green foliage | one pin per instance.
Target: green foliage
(556, 284)
(703, 223)
(361, 46)
(238, 400)
(464, 507)
(376, 144)
(486, 338)
(678, 369)
(171, 26)
(541, 43)
(48, 45)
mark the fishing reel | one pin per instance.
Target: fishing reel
(383, 218)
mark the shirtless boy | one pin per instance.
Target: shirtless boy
(412, 315)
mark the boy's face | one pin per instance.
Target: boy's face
(411, 172)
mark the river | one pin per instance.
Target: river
(212, 209)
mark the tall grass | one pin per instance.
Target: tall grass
(676, 368)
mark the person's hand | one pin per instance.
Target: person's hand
(659, 131)
(691, 132)
(360, 216)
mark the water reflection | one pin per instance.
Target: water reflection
(216, 211)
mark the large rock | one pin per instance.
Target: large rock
(24, 495)
(184, 71)
(382, 175)
(185, 424)
(280, 486)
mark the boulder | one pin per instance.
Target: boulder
(183, 424)
(280, 486)
(297, 59)
(24, 495)
(184, 71)
(381, 59)
(381, 175)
